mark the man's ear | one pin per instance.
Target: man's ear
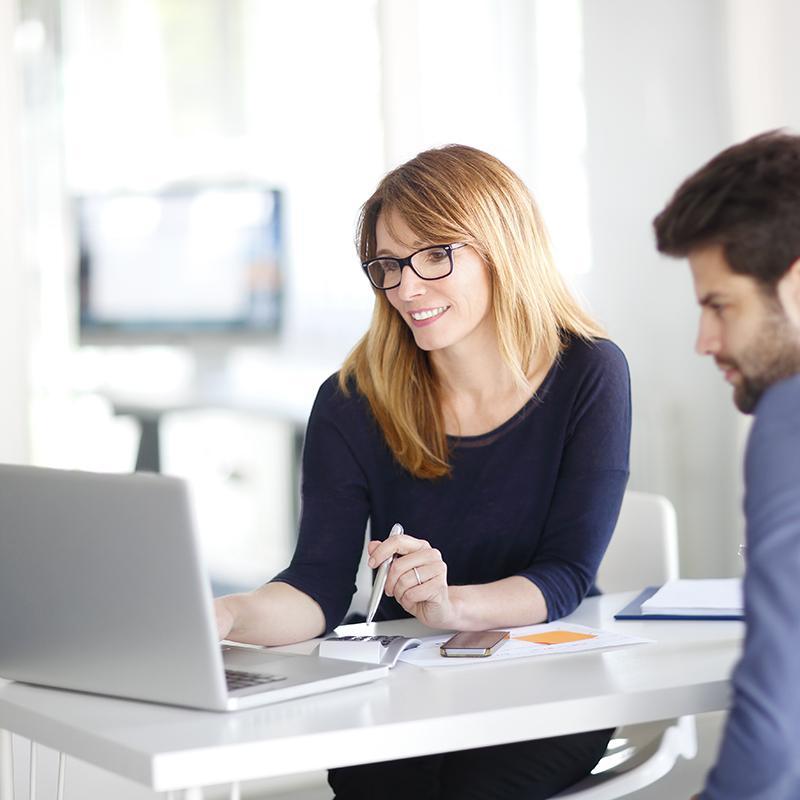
(788, 289)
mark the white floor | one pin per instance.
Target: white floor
(85, 782)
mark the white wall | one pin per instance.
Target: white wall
(762, 65)
(657, 108)
(504, 77)
(14, 433)
(668, 84)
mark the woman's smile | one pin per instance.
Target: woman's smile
(426, 316)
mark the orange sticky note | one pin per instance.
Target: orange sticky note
(555, 637)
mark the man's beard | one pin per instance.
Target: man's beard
(773, 355)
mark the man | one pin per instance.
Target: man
(738, 221)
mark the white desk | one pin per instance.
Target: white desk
(413, 712)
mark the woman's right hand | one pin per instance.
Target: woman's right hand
(225, 618)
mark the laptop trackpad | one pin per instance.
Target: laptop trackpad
(245, 658)
(295, 667)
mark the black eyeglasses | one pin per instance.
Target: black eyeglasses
(429, 263)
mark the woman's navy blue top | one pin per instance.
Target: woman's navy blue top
(538, 496)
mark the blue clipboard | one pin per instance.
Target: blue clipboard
(634, 611)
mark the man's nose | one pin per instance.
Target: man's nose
(708, 338)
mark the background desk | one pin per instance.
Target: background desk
(412, 712)
(235, 434)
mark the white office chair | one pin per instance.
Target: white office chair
(644, 548)
(643, 552)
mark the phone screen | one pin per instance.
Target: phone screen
(473, 644)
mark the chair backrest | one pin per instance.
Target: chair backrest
(644, 547)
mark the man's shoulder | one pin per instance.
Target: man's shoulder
(781, 401)
(773, 447)
(777, 415)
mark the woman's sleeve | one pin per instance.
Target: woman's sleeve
(334, 507)
(590, 485)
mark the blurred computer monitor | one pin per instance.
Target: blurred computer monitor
(188, 263)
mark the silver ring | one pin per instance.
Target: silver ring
(419, 580)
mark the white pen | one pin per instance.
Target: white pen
(380, 579)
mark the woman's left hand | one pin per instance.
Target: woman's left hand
(417, 578)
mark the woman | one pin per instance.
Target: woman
(484, 412)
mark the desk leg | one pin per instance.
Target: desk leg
(148, 459)
(62, 765)
(6, 766)
(193, 794)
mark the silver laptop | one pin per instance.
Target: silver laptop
(102, 589)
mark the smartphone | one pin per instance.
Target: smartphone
(473, 644)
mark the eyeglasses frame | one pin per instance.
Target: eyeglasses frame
(406, 262)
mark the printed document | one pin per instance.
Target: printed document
(550, 638)
(706, 597)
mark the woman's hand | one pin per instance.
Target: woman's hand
(417, 578)
(224, 616)
(275, 613)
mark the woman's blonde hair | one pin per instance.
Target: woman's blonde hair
(458, 194)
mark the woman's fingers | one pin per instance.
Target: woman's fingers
(417, 575)
(421, 566)
(432, 586)
(402, 545)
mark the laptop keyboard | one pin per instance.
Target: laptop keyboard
(237, 679)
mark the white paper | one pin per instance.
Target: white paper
(708, 596)
(427, 654)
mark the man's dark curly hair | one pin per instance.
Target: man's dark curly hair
(746, 199)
